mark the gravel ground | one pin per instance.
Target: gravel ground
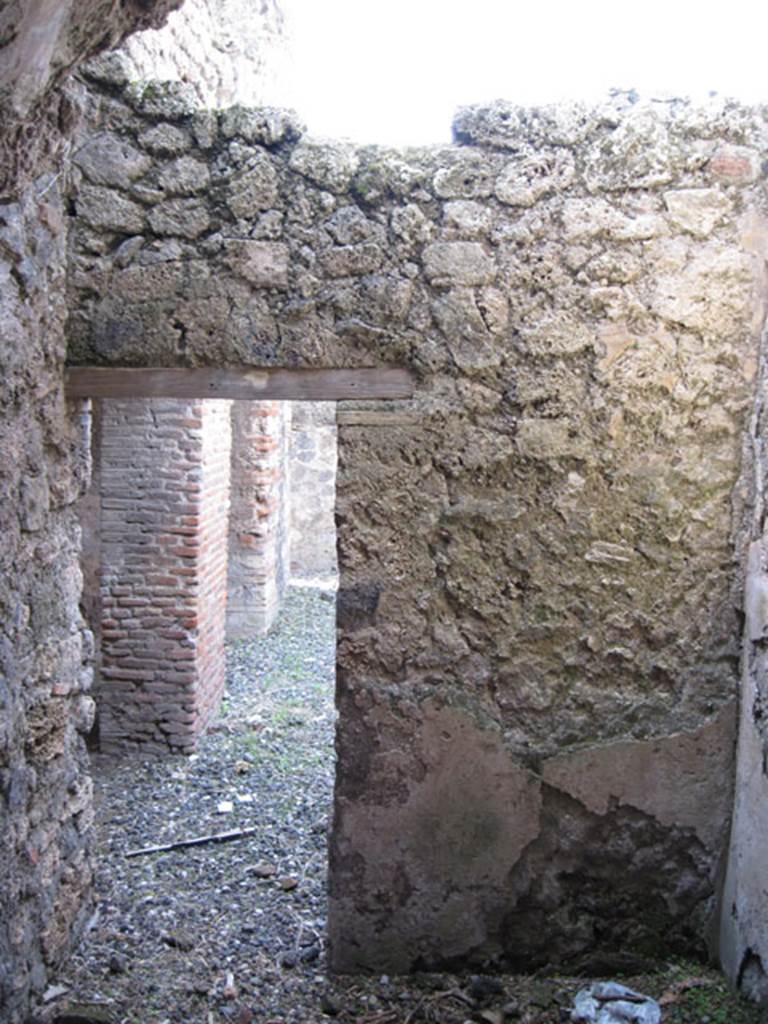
(234, 931)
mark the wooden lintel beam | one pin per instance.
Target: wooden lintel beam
(244, 382)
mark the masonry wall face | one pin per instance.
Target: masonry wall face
(224, 51)
(744, 949)
(45, 707)
(45, 648)
(164, 520)
(539, 555)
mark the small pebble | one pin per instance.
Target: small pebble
(117, 964)
(330, 1006)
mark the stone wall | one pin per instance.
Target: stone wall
(164, 519)
(539, 586)
(45, 790)
(313, 490)
(259, 535)
(744, 949)
(40, 41)
(225, 51)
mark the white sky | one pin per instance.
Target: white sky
(395, 70)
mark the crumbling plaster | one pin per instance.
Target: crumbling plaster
(539, 555)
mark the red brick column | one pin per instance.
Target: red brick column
(212, 558)
(259, 518)
(164, 502)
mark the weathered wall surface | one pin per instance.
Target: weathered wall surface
(744, 949)
(40, 40)
(44, 704)
(45, 798)
(538, 605)
(164, 520)
(313, 489)
(259, 518)
(225, 51)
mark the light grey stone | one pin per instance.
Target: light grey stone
(756, 606)
(254, 189)
(106, 208)
(108, 159)
(524, 182)
(269, 226)
(469, 340)
(457, 263)
(262, 264)
(165, 140)
(205, 128)
(166, 251)
(331, 165)
(352, 260)
(466, 218)
(544, 439)
(593, 217)
(184, 176)
(469, 178)
(267, 126)
(639, 153)
(409, 223)
(697, 210)
(501, 124)
(171, 101)
(349, 225)
(187, 218)
(611, 1003)
(711, 292)
(126, 251)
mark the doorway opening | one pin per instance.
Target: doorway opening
(189, 498)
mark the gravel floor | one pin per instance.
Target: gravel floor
(234, 931)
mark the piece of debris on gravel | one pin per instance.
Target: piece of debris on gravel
(232, 929)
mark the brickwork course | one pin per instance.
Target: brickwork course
(260, 517)
(164, 528)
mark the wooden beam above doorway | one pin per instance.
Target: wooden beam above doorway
(245, 382)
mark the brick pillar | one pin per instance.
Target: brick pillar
(212, 563)
(164, 508)
(260, 517)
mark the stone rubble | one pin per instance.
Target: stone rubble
(608, 1002)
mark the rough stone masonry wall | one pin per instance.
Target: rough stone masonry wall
(259, 517)
(313, 489)
(164, 505)
(45, 790)
(744, 949)
(226, 51)
(45, 793)
(539, 556)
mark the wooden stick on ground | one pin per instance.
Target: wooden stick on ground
(215, 837)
